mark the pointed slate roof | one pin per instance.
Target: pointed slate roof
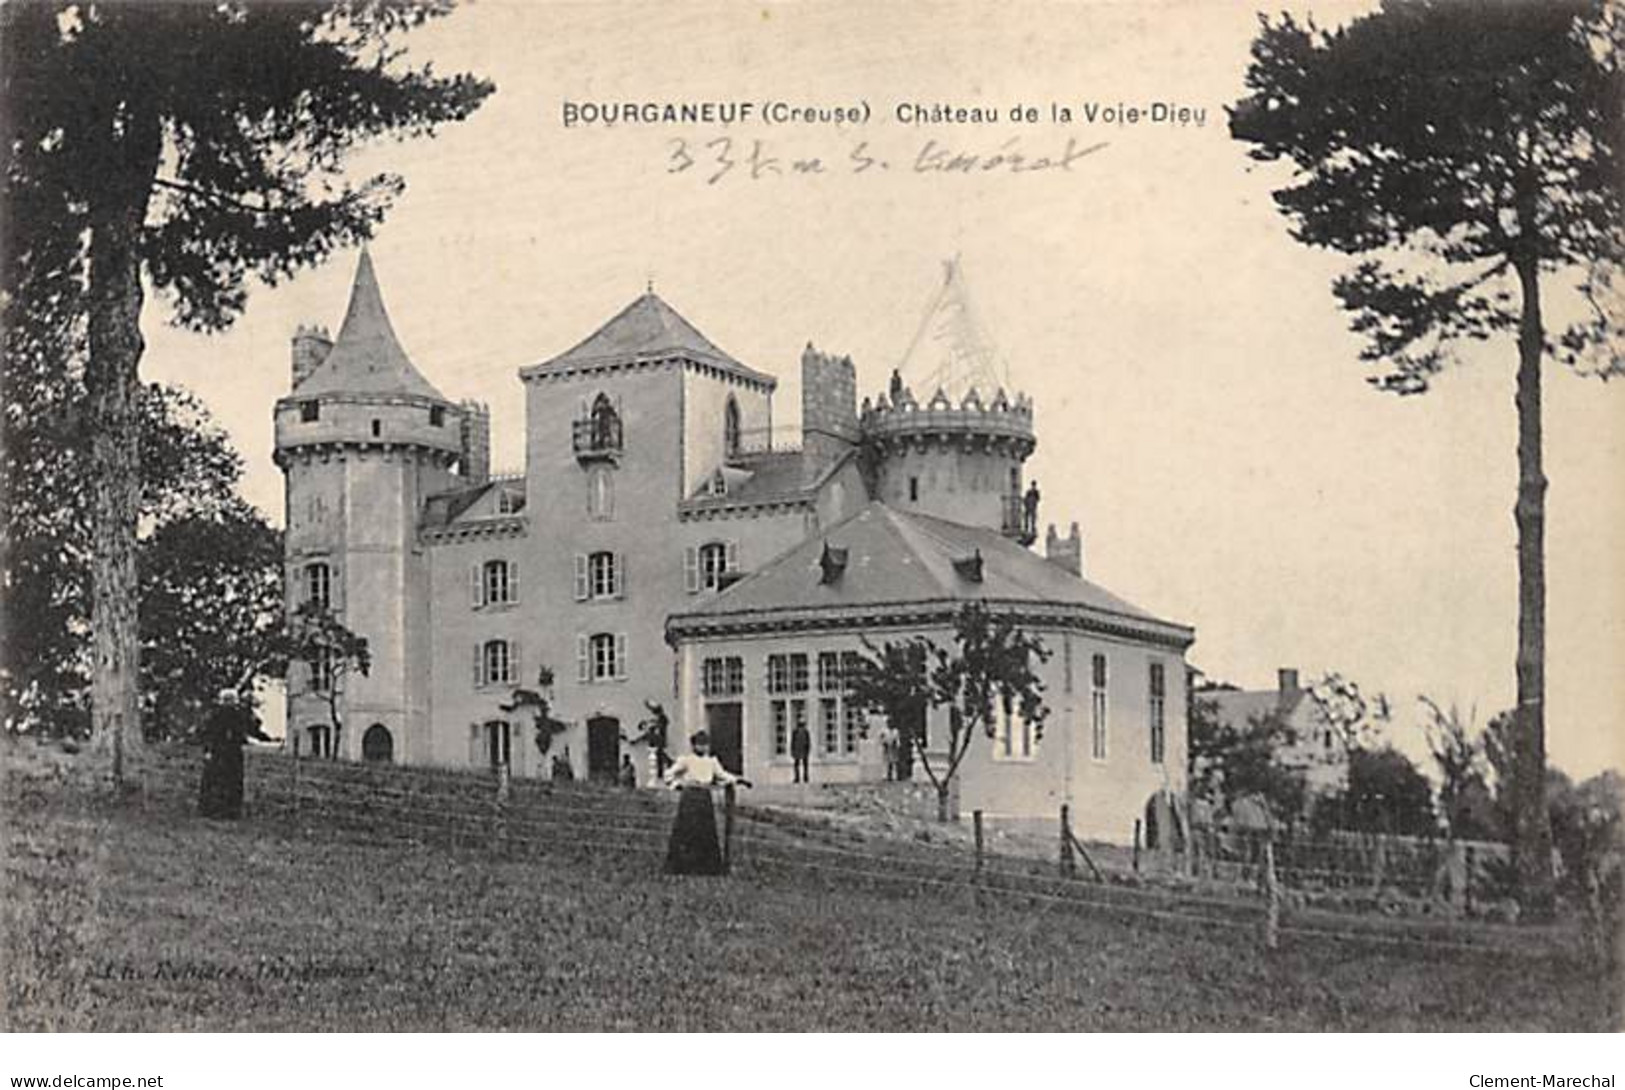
(896, 558)
(648, 328)
(367, 358)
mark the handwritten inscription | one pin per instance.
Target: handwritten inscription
(727, 157)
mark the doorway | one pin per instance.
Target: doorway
(498, 743)
(377, 744)
(603, 748)
(725, 724)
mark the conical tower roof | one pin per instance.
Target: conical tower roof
(367, 358)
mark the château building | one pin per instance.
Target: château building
(668, 544)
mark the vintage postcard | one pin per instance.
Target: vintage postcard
(823, 517)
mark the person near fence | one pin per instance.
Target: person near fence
(889, 741)
(693, 848)
(228, 728)
(800, 751)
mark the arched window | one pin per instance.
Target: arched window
(713, 564)
(319, 585)
(377, 744)
(498, 663)
(498, 582)
(606, 424)
(730, 427)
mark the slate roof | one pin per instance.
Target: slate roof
(366, 357)
(648, 328)
(900, 558)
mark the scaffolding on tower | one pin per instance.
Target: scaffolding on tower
(951, 350)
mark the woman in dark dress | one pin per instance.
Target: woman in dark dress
(694, 848)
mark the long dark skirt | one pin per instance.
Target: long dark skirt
(693, 848)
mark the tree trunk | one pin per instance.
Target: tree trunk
(942, 801)
(1532, 840)
(112, 379)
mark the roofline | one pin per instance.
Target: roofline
(359, 397)
(1065, 615)
(557, 367)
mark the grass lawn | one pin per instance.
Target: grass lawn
(119, 918)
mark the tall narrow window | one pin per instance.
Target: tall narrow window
(321, 671)
(713, 565)
(829, 725)
(601, 493)
(606, 424)
(1157, 706)
(603, 575)
(730, 427)
(498, 663)
(319, 585)
(1097, 708)
(781, 728)
(606, 656)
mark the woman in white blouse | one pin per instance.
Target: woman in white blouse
(693, 848)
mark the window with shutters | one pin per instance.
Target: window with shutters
(713, 564)
(604, 657)
(1158, 706)
(499, 580)
(497, 664)
(319, 585)
(1097, 707)
(603, 575)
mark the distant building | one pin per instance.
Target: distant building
(1312, 744)
(667, 543)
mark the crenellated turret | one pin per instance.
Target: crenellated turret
(959, 461)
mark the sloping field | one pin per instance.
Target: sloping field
(358, 899)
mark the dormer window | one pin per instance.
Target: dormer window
(310, 411)
(719, 484)
(509, 503)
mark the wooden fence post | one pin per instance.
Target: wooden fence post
(500, 814)
(976, 819)
(1272, 898)
(293, 809)
(1136, 845)
(727, 828)
(1068, 864)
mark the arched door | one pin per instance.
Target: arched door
(378, 744)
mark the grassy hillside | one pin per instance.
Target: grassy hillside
(131, 916)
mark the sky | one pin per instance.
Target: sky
(1200, 406)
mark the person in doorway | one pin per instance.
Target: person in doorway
(628, 776)
(693, 848)
(800, 752)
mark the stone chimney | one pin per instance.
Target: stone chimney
(475, 460)
(1065, 552)
(829, 408)
(1288, 684)
(311, 344)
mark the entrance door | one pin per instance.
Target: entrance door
(377, 745)
(725, 724)
(603, 748)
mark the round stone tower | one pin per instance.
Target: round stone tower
(361, 440)
(958, 462)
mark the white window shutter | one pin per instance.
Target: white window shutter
(513, 581)
(691, 569)
(476, 586)
(515, 663)
(479, 666)
(583, 659)
(620, 655)
(730, 557)
(583, 589)
(620, 575)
